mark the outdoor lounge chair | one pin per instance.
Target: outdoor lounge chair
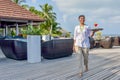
(14, 49)
(116, 41)
(2, 37)
(92, 42)
(106, 43)
(57, 48)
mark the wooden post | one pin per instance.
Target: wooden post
(17, 29)
(6, 30)
(4, 33)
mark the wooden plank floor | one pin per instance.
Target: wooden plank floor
(104, 64)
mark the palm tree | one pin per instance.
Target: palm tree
(50, 25)
(49, 15)
(33, 10)
(55, 29)
(18, 1)
(48, 11)
(25, 6)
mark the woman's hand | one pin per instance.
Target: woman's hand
(93, 32)
(75, 49)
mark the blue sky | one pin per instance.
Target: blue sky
(104, 12)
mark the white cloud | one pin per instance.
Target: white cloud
(34, 1)
(104, 12)
(115, 19)
(102, 9)
(64, 18)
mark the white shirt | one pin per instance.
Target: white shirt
(82, 37)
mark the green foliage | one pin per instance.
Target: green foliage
(98, 35)
(67, 34)
(19, 1)
(50, 25)
(46, 12)
(13, 33)
(32, 30)
(33, 10)
(25, 6)
(50, 16)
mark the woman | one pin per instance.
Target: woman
(81, 46)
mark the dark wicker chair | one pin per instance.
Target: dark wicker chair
(116, 41)
(57, 48)
(92, 42)
(2, 37)
(14, 49)
(107, 43)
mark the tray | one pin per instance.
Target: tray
(95, 29)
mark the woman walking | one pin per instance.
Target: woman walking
(81, 46)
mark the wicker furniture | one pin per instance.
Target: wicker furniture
(92, 42)
(57, 48)
(116, 41)
(106, 43)
(14, 49)
(17, 49)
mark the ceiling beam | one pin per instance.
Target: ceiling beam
(14, 20)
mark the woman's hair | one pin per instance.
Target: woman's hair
(81, 16)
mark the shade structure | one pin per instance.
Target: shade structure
(11, 13)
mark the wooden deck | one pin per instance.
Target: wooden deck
(104, 64)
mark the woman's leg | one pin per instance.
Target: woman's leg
(81, 61)
(85, 54)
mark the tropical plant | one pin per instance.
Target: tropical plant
(49, 15)
(32, 30)
(98, 35)
(13, 33)
(25, 6)
(33, 10)
(19, 1)
(50, 25)
(67, 34)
